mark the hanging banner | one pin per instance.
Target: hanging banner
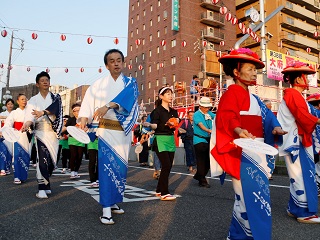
(175, 15)
(276, 61)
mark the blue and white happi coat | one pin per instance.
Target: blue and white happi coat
(113, 145)
(299, 160)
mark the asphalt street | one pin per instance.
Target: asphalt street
(72, 210)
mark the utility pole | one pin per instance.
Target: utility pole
(9, 63)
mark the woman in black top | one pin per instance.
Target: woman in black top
(166, 119)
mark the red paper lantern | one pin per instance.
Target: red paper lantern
(140, 67)
(82, 69)
(218, 53)
(163, 43)
(10, 67)
(66, 70)
(249, 30)
(138, 42)
(257, 39)
(228, 17)
(63, 37)
(89, 40)
(161, 65)
(204, 43)
(316, 34)
(223, 10)
(34, 36)
(129, 66)
(47, 70)
(287, 52)
(188, 59)
(100, 70)
(308, 50)
(1, 65)
(184, 43)
(215, 1)
(240, 25)
(116, 41)
(253, 34)
(4, 33)
(28, 69)
(244, 29)
(222, 43)
(234, 21)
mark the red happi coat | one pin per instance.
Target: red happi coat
(228, 117)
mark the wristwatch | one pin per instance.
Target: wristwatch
(108, 105)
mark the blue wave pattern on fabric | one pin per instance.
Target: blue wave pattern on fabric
(112, 174)
(21, 162)
(5, 156)
(92, 129)
(127, 99)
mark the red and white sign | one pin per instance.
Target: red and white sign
(89, 40)
(184, 43)
(183, 112)
(116, 40)
(34, 36)
(63, 37)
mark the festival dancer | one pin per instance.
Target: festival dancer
(314, 100)
(5, 146)
(113, 102)
(21, 152)
(295, 117)
(45, 111)
(165, 119)
(243, 115)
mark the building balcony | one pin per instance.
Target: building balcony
(307, 56)
(250, 43)
(209, 5)
(300, 41)
(213, 35)
(243, 3)
(297, 11)
(213, 19)
(297, 25)
(312, 5)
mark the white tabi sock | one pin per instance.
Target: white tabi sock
(72, 173)
(106, 212)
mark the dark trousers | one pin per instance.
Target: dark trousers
(65, 157)
(34, 154)
(76, 153)
(143, 156)
(190, 153)
(166, 159)
(203, 161)
(46, 165)
(59, 154)
(93, 164)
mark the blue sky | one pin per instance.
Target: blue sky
(104, 18)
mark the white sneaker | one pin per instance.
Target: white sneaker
(63, 170)
(314, 219)
(41, 194)
(72, 175)
(167, 197)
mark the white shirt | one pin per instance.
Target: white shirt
(38, 103)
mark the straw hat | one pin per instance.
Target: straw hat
(205, 102)
(299, 67)
(242, 55)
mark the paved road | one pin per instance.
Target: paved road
(72, 211)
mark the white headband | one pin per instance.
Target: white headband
(165, 88)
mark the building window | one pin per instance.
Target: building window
(165, 30)
(141, 86)
(131, 48)
(130, 62)
(290, 20)
(137, 31)
(143, 41)
(136, 59)
(165, 15)
(158, 50)
(289, 5)
(173, 78)
(132, 7)
(150, 53)
(157, 82)
(131, 20)
(150, 68)
(149, 100)
(173, 43)
(291, 36)
(138, 3)
(149, 84)
(144, 12)
(131, 34)
(173, 60)
(158, 33)
(159, 3)
(135, 74)
(150, 37)
(138, 17)
(158, 18)
(151, 23)
(158, 66)
(130, 75)
(164, 47)
(142, 72)
(151, 8)
(144, 27)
